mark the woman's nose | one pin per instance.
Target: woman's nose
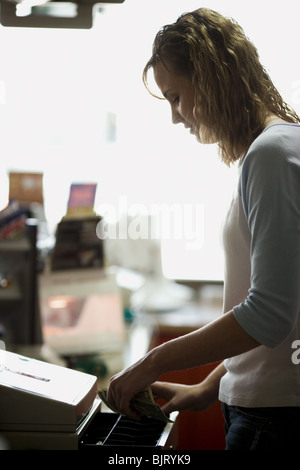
(176, 117)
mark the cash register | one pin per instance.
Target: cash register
(45, 406)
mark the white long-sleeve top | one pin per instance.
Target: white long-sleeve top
(261, 238)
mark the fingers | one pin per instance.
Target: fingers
(120, 401)
(167, 392)
(179, 397)
(169, 408)
(162, 390)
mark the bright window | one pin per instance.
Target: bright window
(72, 105)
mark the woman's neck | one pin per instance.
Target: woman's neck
(272, 119)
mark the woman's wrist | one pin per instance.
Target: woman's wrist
(155, 362)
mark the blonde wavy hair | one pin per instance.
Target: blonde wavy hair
(233, 91)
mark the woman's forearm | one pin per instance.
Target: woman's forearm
(214, 342)
(213, 379)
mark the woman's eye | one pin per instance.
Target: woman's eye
(175, 100)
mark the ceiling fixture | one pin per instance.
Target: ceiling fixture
(76, 14)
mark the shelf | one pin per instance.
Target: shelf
(20, 245)
(10, 293)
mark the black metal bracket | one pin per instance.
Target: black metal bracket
(76, 14)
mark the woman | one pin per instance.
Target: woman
(211, 75)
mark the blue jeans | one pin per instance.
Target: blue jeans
(262, 428)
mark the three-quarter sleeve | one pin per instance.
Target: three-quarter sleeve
(270, 192)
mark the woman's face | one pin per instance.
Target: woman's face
(179, 91)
